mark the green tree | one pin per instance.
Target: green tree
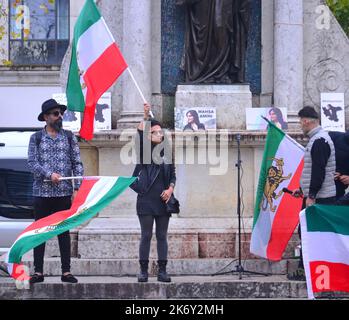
(340, 9)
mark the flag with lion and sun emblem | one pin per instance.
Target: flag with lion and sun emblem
(276, 213)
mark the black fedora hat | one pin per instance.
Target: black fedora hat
(49, 105)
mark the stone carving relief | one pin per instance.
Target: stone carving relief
(325, 55)
(323, 45)
(327, 75)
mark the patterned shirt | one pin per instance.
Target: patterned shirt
(54, 155)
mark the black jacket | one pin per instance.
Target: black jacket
(147, 173)
(341, 145)
(146, 176)
(201, 126)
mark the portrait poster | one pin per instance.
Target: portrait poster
(195, 119)
(332, 111)
(103, 113)
(71, 119)
(255, 122)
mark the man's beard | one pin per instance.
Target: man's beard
(57, 125)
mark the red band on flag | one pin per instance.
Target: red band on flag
(286, 219)
(84, 190)
(98, 78)
(329, 276)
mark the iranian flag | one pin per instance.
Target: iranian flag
(96, 63)
(276, 213)
(94, 194)
(325, 247)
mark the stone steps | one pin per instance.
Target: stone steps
(105, 259)
(181, 287)
(188, 238)
(177, 267)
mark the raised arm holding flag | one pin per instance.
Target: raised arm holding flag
(96, 63)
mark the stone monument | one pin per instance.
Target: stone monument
(214, 60)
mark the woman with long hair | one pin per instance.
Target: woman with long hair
(194, 123)
(277, 118)
(156, 179)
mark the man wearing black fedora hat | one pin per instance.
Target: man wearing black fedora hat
(53, 153)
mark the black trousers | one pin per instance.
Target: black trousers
(161, 227)
(343, 201)
(330, 200)
(44, 207)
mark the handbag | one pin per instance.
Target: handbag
(172, 206)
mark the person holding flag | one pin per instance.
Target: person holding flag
(53, 153)
(317, 180)
(156, 179)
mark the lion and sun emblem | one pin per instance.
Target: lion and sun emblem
(275, 176)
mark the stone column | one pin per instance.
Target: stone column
(288, 56)
(267, 52)
(4, 53)
(137, 52)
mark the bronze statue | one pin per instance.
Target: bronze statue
(215, 40)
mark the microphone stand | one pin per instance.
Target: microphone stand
(239, 269)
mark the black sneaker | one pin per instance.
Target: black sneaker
(143, 277)
(36, 278)
(69, 278)
(298, 275)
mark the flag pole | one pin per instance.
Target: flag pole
(286, 135)
(139, 89)
(133, 78)
(80, 177)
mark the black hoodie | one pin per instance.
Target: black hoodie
(341, 145)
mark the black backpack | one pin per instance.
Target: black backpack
(38, 137)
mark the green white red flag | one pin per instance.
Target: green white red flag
(325, 248)
(96, 63)
(276, 213)
(94, 194)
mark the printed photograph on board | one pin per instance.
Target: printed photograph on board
(71, 119)
(103, 113)
(332, 111)
(195, 119)
(255, 122)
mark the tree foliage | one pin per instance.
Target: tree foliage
(340, 9)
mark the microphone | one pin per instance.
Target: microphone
(287, 190)
(296, 195)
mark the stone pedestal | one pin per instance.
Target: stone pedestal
(230, 102)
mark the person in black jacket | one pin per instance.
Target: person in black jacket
(341, 144)
(154, 185)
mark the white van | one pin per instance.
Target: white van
(16, 183)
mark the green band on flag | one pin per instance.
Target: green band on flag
(274, 137)
(317, 219)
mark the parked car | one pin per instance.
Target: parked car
(16, 201)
